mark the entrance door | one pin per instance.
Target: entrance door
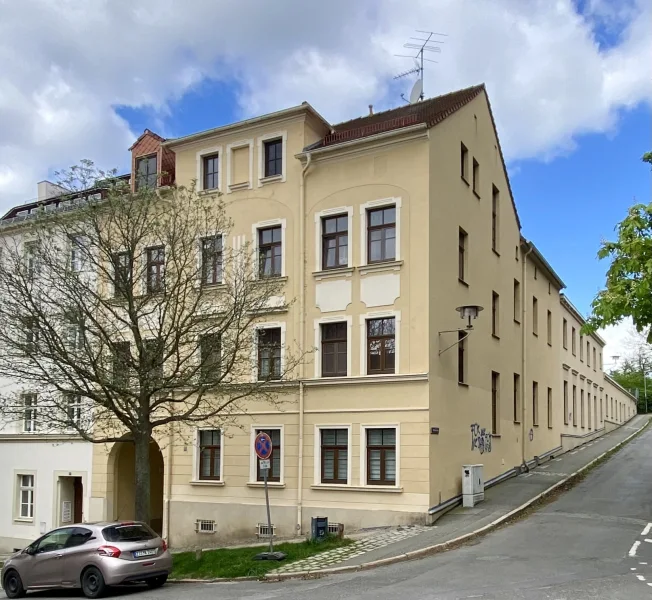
(78, 501)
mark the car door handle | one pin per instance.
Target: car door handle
(59, 555)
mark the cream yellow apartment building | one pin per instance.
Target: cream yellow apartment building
(380, 228)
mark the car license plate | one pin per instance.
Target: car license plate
(141, 553)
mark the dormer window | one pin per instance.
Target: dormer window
(146, 172)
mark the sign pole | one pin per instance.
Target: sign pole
(269, 517)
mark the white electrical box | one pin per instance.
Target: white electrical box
(472, 485)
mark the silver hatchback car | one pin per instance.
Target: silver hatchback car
(90, 556)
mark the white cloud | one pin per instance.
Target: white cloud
(66, 64)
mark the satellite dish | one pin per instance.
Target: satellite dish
(417, 89)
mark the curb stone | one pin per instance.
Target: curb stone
(429, 550)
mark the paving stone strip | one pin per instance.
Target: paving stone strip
(338, 555)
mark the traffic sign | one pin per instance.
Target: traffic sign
(265, 463)
(263, 446)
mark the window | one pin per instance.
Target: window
(31, 334)
(210, 454)
(121, 363)
(77, 253)
(464, 162)
(274, 473)
(146, 173)
(595, 362)
(550, 408)
(517, 301)
(26, 496)
(32, 260)
(211, 165)
(333, 349)
(495, 387)
(461, 356)
(153, 359)
(335, 242)
(210, 348)
(381, 234)
(269, 353)
(582, 408)
(155, 269)
(211, 260)
(601, 361)
(574, 406)
(573, 344)
(535, 403)
(536, 273)
(29, 413)
(334, 455)
(495, 203)
(588, 408)
(588, 354)
(270, 252)
(462, 258)
(381, 456)
(122, 274)
(73, 409)
(273, 157)
(565, 402)
(564, 334)
(381, 346)
(128, 532)
(535, 316)
(581, 347)
(495, 314)
(549, 328)
(517, 398)
(476, 177)
(74, 330)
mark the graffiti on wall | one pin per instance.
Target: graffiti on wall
(480, 439)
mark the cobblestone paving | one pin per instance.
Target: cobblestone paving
(331, 558)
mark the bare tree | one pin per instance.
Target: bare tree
(123, 312)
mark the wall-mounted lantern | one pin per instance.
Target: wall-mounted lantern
(469, 312)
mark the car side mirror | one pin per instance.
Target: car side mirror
(30, 550)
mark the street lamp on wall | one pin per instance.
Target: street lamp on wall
(469, 312)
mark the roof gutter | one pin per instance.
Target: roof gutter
(363, 140)
(568, 305)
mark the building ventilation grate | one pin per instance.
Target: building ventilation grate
(263, 530)
(205, 526)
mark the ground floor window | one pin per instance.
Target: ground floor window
(274, 473)
(381, 456)
(26, 496)
(334, 455)
(210, 454)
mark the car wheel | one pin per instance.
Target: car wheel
(12, 585)
(92, 583)
(156, 582)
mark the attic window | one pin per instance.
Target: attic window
(146, 172)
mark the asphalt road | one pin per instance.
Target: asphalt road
(582, 546)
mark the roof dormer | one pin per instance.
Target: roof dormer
(152, 165)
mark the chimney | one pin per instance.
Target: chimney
(47, 189)
(371, 109)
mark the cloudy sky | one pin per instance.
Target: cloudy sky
(569, 81)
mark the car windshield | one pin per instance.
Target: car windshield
(128, 532)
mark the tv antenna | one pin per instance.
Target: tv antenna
(422, 44)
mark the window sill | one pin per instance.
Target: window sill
(496, 337)
(463, 384)
(234, 187)
(535, 334)
(517, 321)
(496, 252)
(390, 265)
(212, 286)
(550, 344)
(281, 278)
(23, 521)
(207, 482)
(333, 273)
(464, 180)
(496, 435)
(386, 489)
(366, 379)
(516, 422)
(261, 484)
(208, 192)
(463, 282)
(270, 179)
(476, 194)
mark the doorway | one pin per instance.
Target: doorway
(70, 507)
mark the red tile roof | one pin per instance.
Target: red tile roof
(430, 112)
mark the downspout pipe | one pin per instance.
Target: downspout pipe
(302, 333)
(524, 312)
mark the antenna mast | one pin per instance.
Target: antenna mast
(421, 45)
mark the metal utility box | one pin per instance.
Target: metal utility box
(472, 485)
(318, 528)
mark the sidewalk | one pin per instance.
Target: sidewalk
(499, 501)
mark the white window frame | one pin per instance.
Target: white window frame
(319, 246)
(77, 260)
(380, 203)
(200, 168)
(317, 454)
(260, 141)
(229, 163)
(348, 319)
(34, 408)
(363, 454)
(254, 234)
(195, 457)
(200, 257)
(268, 325)
(363, 340)
(253, 458)
(18, 478)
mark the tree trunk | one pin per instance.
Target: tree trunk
(142, 472)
